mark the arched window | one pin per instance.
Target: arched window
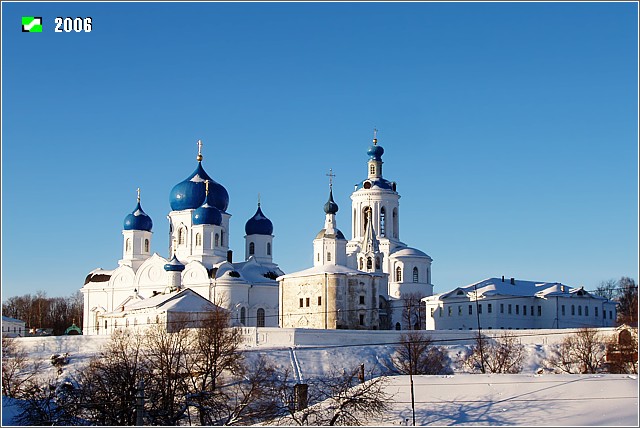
(398, 274)
(198, 240)
(395, 223)
(415, 274)
(398, 327)
(146, 245)
(573, 309)
(365, 218)
(252, 248)
(353, 232)
(382, 221)
(260, 317)
(369, 263)
(243, 316)
(328, 257)
(377, 262)
(361, 263)
(579, 310)
(128, 244)
(216, 240)
(372, 169)
(181, 236)
(428, 276)
(222, 238)
(105, 324)
(268, 248)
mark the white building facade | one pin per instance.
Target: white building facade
(511, 304)
(199, 242)
(397, 272)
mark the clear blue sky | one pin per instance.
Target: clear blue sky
(511, 130)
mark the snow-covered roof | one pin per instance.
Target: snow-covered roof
(327, 268)
(408, 252)
(519, 288)
(185, 300)
(9, 319)
(254, 272)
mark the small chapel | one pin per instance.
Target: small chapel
(198, 274)
(369, 282)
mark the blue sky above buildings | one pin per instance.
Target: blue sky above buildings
(511, 130)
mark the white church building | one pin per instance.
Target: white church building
(199, 260)
(514, 304)
(363, 283)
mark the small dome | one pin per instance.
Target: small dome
(259, 224)
(206, 214)
(174, 265)
(138, 220)
(323, 234)
(375, 152)
(330, 207)
(190, 193)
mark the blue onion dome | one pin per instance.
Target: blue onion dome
(330, 207)
(138, 219)
(375, 152)
(190, 193)
(206, 214)
(259, 224)
(174, 265)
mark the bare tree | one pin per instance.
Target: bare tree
(413, 311)
(18, 370)
(416, 354)
(582, 352)
(607, 289)
(107, 387)
(213, 355)
(628, 302)
(339, 399)
(503, 354)
(165, 355)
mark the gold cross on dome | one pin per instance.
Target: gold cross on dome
(330, 175)
(199, 150)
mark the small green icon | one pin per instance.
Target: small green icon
(32, 24)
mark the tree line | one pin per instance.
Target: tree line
(40, 311)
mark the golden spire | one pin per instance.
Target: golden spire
(375, 136)
(206, 188)
(199, 157)
(138, 195)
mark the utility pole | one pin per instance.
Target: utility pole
(140, 404)
(410, 349)
(479, 329)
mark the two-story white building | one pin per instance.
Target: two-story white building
(499, 303)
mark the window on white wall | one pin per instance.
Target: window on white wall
(415, 274)
(260, 317)
(198, 240)
(398, 274)
(146, 245)
(181, 236)
(128, 244)
(268, 248)
(252, 248)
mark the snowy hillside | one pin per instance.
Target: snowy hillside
(459, 399)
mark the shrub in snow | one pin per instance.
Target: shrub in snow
(503, 354)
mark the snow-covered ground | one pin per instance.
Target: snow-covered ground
(526, 399)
